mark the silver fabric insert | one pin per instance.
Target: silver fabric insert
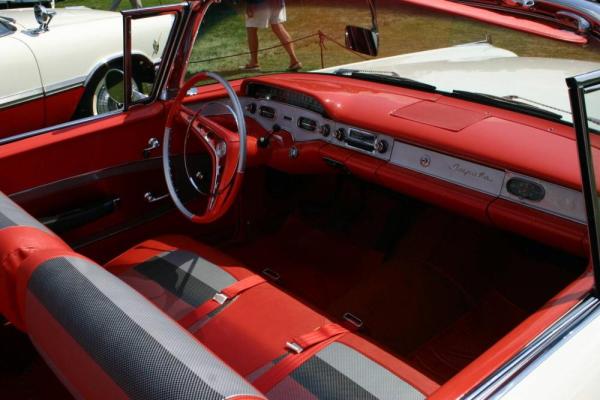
(13, 215)
(371, 376)
(201, 269)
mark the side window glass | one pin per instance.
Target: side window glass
(56, 69)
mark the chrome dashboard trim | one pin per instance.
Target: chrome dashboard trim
(451, 169)
(559, 200)
(286, 116)
(382, 156)
(514, 370)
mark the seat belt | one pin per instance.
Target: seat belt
(301, 343)
(302, 349)
(219, 299)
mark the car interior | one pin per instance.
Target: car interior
(297, 235)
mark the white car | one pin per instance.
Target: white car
(54, 73)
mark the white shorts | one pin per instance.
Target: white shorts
(265, 15)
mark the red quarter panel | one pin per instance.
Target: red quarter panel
(21, 118)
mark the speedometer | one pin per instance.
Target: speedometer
(291, 97)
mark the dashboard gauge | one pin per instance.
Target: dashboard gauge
(291, 97)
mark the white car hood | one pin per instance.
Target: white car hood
(484, 68)
(64, 16)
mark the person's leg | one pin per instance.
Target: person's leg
(286, 41)
(253, 46)
(277, 18)
(256, 17)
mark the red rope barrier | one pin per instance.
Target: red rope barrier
(322, 40)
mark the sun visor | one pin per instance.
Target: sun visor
(508, 21)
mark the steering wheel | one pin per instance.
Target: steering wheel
(227, 151)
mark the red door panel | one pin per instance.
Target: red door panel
(62, 154)
(74, 173)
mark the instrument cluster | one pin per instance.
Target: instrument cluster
(260, 91)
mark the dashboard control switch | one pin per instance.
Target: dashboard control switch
(251, 108)
(381, 146)
(340, 134)
(263, 142)
(325, 130)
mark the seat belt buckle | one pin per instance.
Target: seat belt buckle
(294, 347)
(220, 298)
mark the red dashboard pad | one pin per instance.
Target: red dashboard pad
(440, 115)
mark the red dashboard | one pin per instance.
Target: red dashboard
(515, 171)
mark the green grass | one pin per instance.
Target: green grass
(403, 29)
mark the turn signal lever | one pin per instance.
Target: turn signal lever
(263, 141)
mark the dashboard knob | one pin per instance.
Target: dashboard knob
(340, 134)
(381, 146)
(325, 130)
(251, 108)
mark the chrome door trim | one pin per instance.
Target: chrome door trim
(21, 97)
(51, 188)
(52, 128)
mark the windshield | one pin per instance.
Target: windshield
(449, 52)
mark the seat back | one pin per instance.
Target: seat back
(20, 236)
(105, 340)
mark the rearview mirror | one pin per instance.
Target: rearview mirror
(362, 40)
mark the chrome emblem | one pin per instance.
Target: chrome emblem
(467, 172)
(155, 47)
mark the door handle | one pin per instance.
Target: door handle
(150, 198)
(153, 143)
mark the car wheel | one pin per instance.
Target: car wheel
(96, 99)
(102, 101)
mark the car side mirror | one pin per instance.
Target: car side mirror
(362, 40)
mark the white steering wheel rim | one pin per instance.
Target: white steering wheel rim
(240, 120)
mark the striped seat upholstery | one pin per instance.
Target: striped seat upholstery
(341, 372)
(250, 332)
(105, 340)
